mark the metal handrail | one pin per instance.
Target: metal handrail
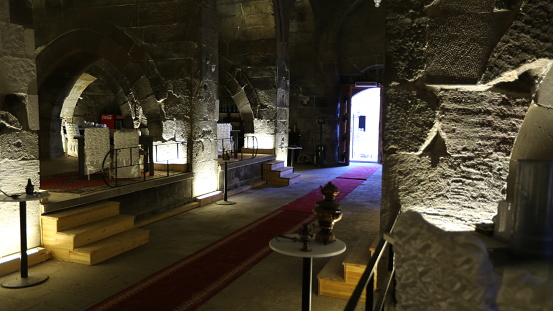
(366, 282)
(112, 159)
(235, 148)
(177, 143)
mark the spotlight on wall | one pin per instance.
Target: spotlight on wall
(377, 3)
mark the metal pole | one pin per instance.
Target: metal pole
(225, 181)
(307, 283)
(23, 231)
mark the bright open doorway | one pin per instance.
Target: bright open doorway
(365, 125)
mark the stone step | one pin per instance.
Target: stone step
(112, 246)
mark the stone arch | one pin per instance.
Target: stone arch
(235, 82)
(61, 62)
(533, 141)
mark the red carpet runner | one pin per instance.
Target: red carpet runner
(187, 284)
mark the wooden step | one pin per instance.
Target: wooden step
(99, 251)
(278, 172)
(176, 167)
(275, 173)
(357, 258)
(341, 274)
(284, 180)
(331, 282)
(258, 151)
(271, 165)
(87, 233)
(75, 217)
(12, 263)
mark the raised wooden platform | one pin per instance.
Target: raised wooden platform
(91, 234)
(12, 263)
(275, 173)
(341, 274)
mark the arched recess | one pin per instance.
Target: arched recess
(235, 83)
(62, 62)
(534, 140)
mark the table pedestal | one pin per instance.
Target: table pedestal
(24, 280)
(318, 250)
(307, 283)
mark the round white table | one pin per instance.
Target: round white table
(318, 250)
(25, 280)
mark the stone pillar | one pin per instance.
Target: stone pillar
(282, 22)
(205, 105)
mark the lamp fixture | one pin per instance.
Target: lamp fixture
(377, 3)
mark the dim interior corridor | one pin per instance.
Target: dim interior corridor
(273, 284)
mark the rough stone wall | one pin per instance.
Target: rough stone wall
(18, 126)
(460, 39)
(248, 46)
(528, 38)
(447, 148)
(454, 169)
(441, 270)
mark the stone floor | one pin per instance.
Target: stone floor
(273, 284)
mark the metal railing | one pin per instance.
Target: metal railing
(367, 281)
(230, 145)
(136, 164)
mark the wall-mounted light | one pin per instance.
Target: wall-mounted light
(377, 3)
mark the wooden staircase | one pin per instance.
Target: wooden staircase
(341, 274)
(91, 234)
(275, 173)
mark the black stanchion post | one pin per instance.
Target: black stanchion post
(225, 194)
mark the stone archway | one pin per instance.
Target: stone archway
(61, 62)
(534, 139)
(236, 84)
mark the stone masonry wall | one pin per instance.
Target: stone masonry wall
(248, 46)
(447, 148)
(165, 54)
(18, 125)
(458, 173)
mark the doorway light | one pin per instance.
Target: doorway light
(366, 84)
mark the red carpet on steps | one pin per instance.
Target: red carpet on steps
(190, 282)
